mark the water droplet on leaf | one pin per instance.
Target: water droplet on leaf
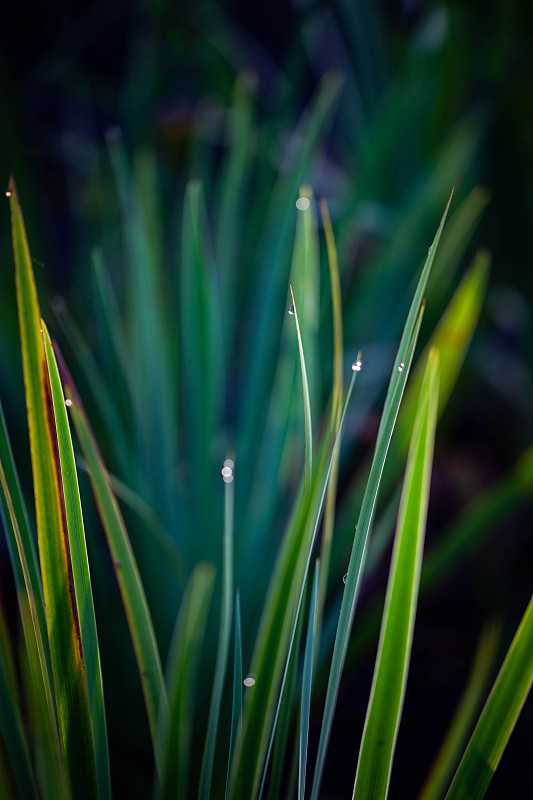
(249, 681)
(8, 193)
(356, 366)
(400, 368)
(345, 578)
(303, 203)
(291, 310)
(68, 402)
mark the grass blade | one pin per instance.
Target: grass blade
(307, 680)
(61, 612)
(226, 612)
(295, 571)
(336, 409)
(394, 649)
(126, 571)
(80, 574)
(11, 727)
(498, 717)
(288, 707)
(359, 550)
(463, 720)
(175, 727)
(236, 709)
(307, 405)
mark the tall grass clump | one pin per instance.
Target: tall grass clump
(198, 443)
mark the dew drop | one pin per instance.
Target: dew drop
(8, 193)
(291, 310)
(229, 462)
(68, 402)
(400, 368)
(303, 203)
(249, 681)
(429, 251)
(345, 578)
(356, 366)
(227, 474)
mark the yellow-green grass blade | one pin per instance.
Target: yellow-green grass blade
(226, 611)
(307, 682)
(175, 727)
(80, 573)
(336, 408)
(451, 338)
(11, 726)
(124, 563)
(34, 630)
(21, 549)
(462, 723)
(357, 557)
(46, 748)
(278, 628)
(394, 649)
(308, 426)
(61, 611)
(236, 708)
(498, 717)
(28, 554)
(458, 234)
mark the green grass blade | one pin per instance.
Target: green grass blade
(336, 409)
(283, 728)
(24, 559)
(80, 574)
(147, 312)
(394, 649)
(61, 612)
(498, 717)
(226, 611)
(42, 721)
(307, 680)
(19, 512)
(413, 311)
(292, 568)
(308, 472)
(11, 726)
(34, 634)
(202, 357)
(273, 265)
(236, 708)
(305, 280)
(355, 567)
(175, 727)
(463, 720)
(126, 571)
(451, 338)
